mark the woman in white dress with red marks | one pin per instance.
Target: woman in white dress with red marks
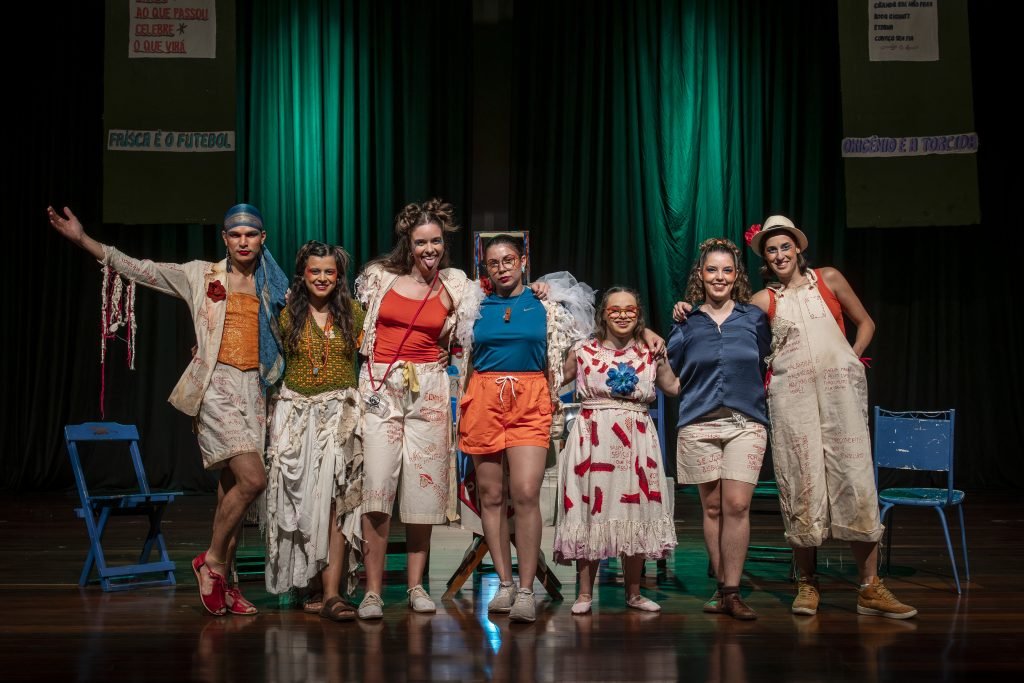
(614, 498)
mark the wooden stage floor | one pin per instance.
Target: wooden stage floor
(52, 630)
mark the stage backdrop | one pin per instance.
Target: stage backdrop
(639, 129)
(168, 111)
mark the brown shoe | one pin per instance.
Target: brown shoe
(807, 597)
(714, 605)
(877, 600)
(733, 605)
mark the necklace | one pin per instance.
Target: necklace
(416, 279)
(508, 309)
(318, 362)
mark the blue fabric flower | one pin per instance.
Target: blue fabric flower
(622, 379)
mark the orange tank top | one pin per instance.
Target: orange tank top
(827, 295)
(396, 311)
(239, 345)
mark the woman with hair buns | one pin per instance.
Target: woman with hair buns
(818, 403)
(314, 459)
(718, 354)
(411, 298)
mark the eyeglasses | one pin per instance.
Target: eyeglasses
(622, 311)
(507, 262)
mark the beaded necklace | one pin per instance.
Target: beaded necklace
(325, 351)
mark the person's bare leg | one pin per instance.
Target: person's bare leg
(866, 555)
(330, 577)
(735, 529)
(246, 482)
(711, 505)
(376, 527)
(526, 472)
(632, 568)
(224, 484)
(417, 546)
(490, 483)
(588, 576)
(806, 564)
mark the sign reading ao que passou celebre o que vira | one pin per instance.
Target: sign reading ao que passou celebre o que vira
(172, 28)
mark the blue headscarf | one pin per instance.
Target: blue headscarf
(271, 285)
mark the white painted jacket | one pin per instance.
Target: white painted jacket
(190, 282)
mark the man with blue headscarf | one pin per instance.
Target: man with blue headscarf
(234, 305)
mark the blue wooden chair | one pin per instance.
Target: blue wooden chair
(97, 510)
(919, 441)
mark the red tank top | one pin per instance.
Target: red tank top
(392, 321)
(827, 295)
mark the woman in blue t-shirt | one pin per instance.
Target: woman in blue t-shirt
(718, 354)
(517, 342)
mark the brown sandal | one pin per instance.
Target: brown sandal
(313, 604)
(337, 609)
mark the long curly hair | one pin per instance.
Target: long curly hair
(767, 273)
(695, 284)
(400, 259)
(339, 305)
(601, 324)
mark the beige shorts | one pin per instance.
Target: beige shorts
(233, 416)
(406, 440)
(723, 444)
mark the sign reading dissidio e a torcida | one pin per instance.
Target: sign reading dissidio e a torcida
(169, 111)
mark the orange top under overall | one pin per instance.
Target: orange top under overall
(392, 321)
(827, 295)
(240, 345)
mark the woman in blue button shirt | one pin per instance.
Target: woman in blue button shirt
(718, 354)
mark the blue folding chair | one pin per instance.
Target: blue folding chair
(922, 442)
(97, 510)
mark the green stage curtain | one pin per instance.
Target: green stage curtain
(644, 128)
(350, 111)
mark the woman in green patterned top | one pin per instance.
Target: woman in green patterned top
(315, 455)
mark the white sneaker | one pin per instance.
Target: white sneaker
(524, 609)
(419, 600)
(503, 598)
(372, 607)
